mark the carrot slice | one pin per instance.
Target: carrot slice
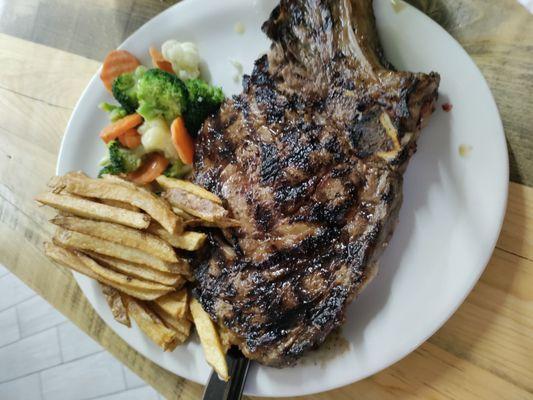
(117, 62)
(118, 128)
(151, 168)
(158, 61)
(182, 141)
(130, 139)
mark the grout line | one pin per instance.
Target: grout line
(123, 369)
(117, 392)
(59, 339)
(41, 391)
(18, 322)
(59, 345)
(29, 373)
(49, 367)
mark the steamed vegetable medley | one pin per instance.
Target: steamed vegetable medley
(158, 114)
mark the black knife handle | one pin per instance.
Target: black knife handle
(217, 389)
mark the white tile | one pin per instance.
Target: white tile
(143, 393)
(93, 376)
(3, 270)
(132, 379)
(27, 388)
(9, 328)
(75, 343)
(36, 315)
(13, 291)
(29, 355)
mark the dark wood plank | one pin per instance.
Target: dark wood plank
(498, 35)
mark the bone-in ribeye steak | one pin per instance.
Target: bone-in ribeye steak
(309, 158)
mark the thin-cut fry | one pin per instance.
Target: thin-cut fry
(100, 246)
(190, 240)
(120, 181)
(181, 326)
(151, 324)
(67, 258)
(195, 205)
(185, 216)
(175, 304)
(123, 282)
(170, 183)
(116, 304)
(140, 271)
(140, 240)
(79, 262)
(90, 209)
(213, 351)
(225, 338)
(120, 204)
(220, 223)
(154, 206)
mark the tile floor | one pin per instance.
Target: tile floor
(43, 356)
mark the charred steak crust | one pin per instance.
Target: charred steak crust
(309, 158)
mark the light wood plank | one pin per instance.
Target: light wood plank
(517, 231)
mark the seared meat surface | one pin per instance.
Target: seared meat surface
(309, 159)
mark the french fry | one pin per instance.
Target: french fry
(181, 326)
(90, 243)
(140, 271)
(213, 351)
(116, 304)
(120, 181)
(175, 304)
(186, 217)
(151, 324)
(195, 205)
(120, 204)
(90, 209)
(67, 258)
(104, 189)
(190, 240)
(220, 223)
(143, 241)
(170, 183)
(149, 290)
(225, 338)
(79, 262)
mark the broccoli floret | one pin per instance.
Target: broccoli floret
(115, 112)
(125, 89)
(203, 100)
(124, 92)
(161, 94)
(177, 170)
(121, 160)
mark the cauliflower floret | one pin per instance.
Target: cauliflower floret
(155, 136)
(183, 57)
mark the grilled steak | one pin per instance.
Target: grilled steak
(309, 159)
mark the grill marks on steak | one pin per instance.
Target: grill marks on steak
(309, 158)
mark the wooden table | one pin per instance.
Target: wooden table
(484, 351)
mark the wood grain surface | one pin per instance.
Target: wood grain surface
(485, 351)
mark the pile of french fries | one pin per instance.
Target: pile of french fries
(131, 241)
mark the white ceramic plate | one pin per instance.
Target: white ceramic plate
(452, 211)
